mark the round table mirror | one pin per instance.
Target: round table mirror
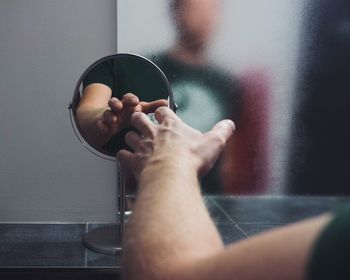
(95, 121)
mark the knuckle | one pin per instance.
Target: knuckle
(169, 123)
(164, 129)
(136, 116)
(161, 111)
(146, 128)
(219, 140)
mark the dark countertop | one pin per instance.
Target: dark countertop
(59, 246)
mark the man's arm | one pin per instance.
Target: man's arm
(101, 116)
(95, 117)
(171, 236)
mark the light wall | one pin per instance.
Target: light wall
(45, 173)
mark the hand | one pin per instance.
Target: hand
(117, 117)
(173, 140)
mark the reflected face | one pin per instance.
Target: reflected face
(197, 20)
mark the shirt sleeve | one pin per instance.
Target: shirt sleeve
(331, 252)
(102, 74)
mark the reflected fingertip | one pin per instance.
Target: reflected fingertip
(115, 105)
(131, 99)
(113, 101)
(164, 102)
(138, 108)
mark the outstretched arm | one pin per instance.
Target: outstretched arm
(171, 236)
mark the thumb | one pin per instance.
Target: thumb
(222, 130)
(216, 139)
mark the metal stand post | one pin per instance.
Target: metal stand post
(109, 239)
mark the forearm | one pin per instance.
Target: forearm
(282, 253)
(172, 236)
(87, 118)
(170, 226)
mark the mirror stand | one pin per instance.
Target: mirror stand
(108, 239)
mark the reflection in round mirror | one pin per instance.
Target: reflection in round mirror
(94, 113)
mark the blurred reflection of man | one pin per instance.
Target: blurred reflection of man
(203, 92)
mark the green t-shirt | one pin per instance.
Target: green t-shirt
(329, 259)
(204, 95)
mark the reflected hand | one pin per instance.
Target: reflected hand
(117, 117)
(174, 142)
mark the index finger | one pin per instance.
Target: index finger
(115, 104)
(150, 107)
(130, 100)
(143, 124)
(163, 114)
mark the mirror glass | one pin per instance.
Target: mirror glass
(113, 77)
(279, 69)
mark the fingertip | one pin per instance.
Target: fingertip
(150, 107)
(114, 99)
(224, 129)
(227, 123)
(130, 99)
(231, 124)
(115, 104)
(138, 108)
(161, 113)
(161, 109)
(163, 102)
(114, 119)
(136, 116)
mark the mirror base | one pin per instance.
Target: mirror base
(105, 240)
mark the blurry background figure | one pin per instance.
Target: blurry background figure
(257, 42)
(320, 151)
(203, 91)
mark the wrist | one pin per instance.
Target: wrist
(169, 166)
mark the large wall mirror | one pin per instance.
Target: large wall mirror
(279, 69)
